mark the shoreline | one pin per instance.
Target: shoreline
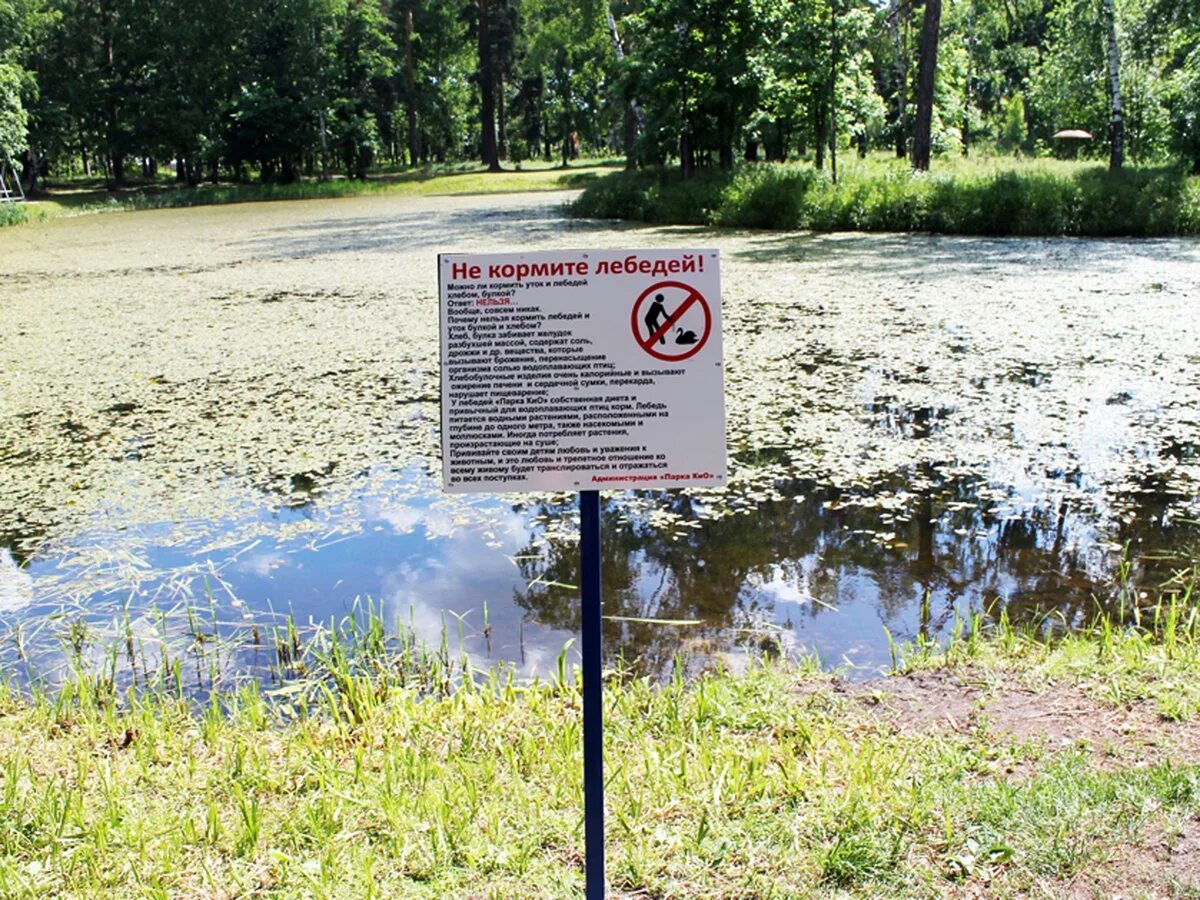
(1002, 764)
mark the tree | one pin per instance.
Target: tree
(281, 88)
(14, 120)
(898, 16)
(568, 62)
(694, 76)
(410, 87)
(634, 120)
(444, 59)
(1167, 32)
(926, 82)
(792, 66)
(1117, 128)
(487, 88)
(23, 24)
(358, 73)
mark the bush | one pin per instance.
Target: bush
(1015, 199)
(653, 195)
(765, 197)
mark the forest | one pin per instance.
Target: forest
(280, 90)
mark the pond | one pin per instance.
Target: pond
(231, 413)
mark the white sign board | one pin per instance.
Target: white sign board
(581, 370)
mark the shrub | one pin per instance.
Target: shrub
(1026, 199)
(765, 197)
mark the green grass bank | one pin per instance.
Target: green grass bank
(84, 196)
(1004, 765)
(976, 197)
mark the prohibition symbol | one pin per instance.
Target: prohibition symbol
(671, 321)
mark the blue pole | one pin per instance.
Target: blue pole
(593, 696)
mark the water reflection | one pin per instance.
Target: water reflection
(828, 570)
(817, 569)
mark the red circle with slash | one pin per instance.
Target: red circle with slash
(691, 297)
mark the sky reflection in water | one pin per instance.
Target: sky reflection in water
(819, 571)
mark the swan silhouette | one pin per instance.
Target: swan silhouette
(685, 337)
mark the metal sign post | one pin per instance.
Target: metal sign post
(593, 694)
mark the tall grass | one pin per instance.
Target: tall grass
(13, 214)
(374, 767)
(768, 783)
(1000, 198)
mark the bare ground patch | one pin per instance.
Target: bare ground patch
(1166, 865)
(1163, 863)
(1059, 715)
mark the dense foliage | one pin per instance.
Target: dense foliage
(278, 89)
(1027, 200)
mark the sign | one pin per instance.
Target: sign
(581, 370)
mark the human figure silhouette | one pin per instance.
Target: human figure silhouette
(656, 313)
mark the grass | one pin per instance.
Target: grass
(15, 214)
(380, 769)
(89, 195)
(986, 197)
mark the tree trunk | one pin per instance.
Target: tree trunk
(687, 155)
(631, 136)
(410, 85)
(116, 149)
(323, 133)
(966, 119)
(926, 81)
(896, 22)
(487, 91)
(725, 134)
(29, 172)
(771, 147)
(821, 127)
(568, 134)
(501, 138)
(633, 114)
(1116, 157)
(833, 75)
